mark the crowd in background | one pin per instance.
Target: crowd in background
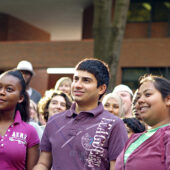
(153, 94)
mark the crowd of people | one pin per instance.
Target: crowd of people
(78, 125)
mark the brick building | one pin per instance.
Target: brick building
(145, 49)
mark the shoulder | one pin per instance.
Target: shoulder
(165, 131)
(29, 128)
(107, 115)
(35, 92)
(58, 118)
(35, 125)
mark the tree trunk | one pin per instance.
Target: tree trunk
(108, 35)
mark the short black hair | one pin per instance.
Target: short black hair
(96, 67)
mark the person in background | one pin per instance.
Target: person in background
(19, 142)
(34, 118)
(53, 102)
(64, 85)
(126, 94)
(34, 115)
(112, 102)
(133, 125)
(86, 136)
(135, 112)
(27, 70)
(150, 149)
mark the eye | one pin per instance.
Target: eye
(87, 80)
(116, 106)
(53, 102)
(9, 89)
(107, 105)
(63, 104)
(147, 94)
(75, 78)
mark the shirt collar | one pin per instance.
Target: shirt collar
(17, 118)
(94, 111)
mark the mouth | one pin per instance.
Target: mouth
(78, 93)
(1, 100)
(143, 109)
(56, 111)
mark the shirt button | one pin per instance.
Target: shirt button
(2, 140)
(9, 130)
(6, 135)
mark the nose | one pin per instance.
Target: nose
(78, 84)
(110, 109)
(58, 106)
(2, 91)
(140, 100)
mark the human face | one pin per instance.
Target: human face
(65, 87)
(112, 106)
(33, 112)
(153, 109)
(84, 89)
(27, 76)
(56, 105)
(127, 101)
(10, 89)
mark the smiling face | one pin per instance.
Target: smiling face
(56, 105)
(152, 107)
(85, 91)
(10, 89)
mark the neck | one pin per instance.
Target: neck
(84, 107)
(27, 87)
(7, 115)
(164, 122)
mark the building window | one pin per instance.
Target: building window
(149, 10)
(130, 76)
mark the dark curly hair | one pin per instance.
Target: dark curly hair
(134, 124)
(45, 101)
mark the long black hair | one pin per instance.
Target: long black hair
(23, 107)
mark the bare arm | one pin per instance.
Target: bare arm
(44, 162)
(32, 157)
(112, 165)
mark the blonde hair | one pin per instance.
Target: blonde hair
(62, 80)
(118, 99)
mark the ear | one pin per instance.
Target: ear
(102, 88)
(21, 99)
(167, 100)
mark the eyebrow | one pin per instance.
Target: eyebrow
(144, 91)
(83, 77)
